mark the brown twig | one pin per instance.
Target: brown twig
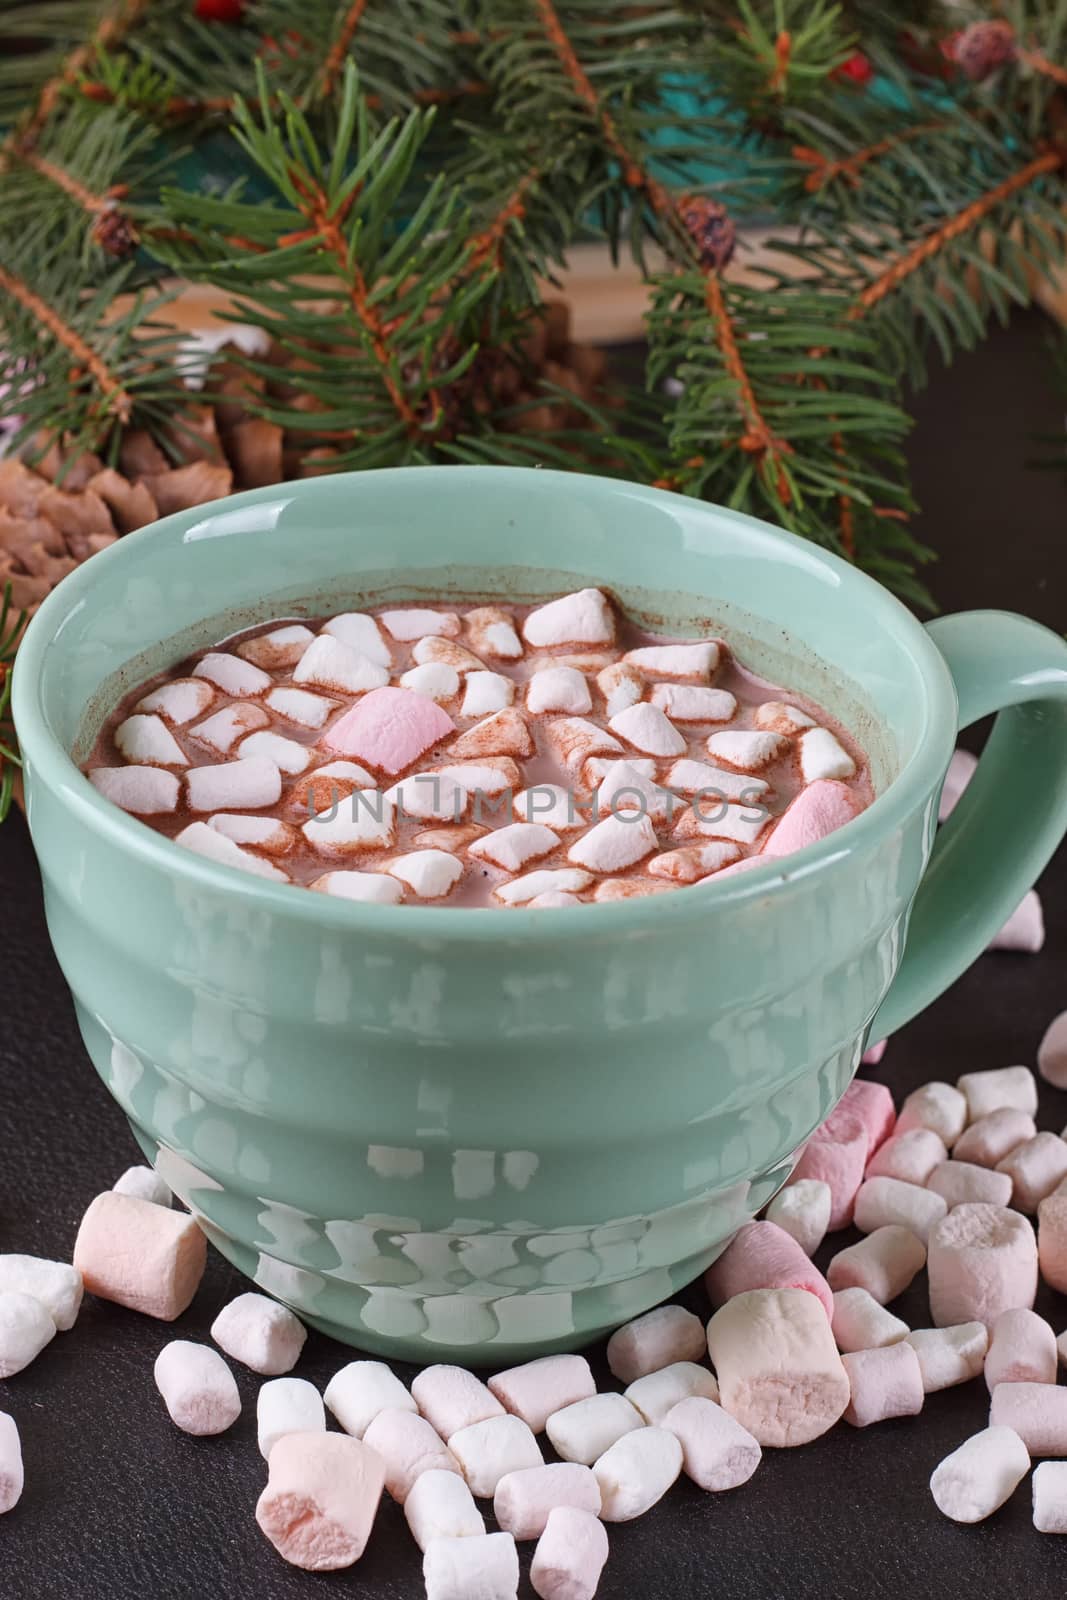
(111, 28)
(91, 203)
(825, 171)
(488, 245)
(222, 105)
(783, 49)
(758, 438)
(118, 400)
(335, 60)
(1041, 64)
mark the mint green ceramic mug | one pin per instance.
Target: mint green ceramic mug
(478, 1133)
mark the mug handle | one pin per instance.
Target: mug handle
(1013, 812)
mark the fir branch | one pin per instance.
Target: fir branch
(114, 25)
(116, 400)
(757, 440)
(338, 52)
(825, 171)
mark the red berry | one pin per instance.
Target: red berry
(219, 10)
(857, 69)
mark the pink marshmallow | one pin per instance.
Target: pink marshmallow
(882, 1202)
(836, 1154)
(886, 1382)
(656, 1340)
(1035, 1169)
(451, 1398)
(389, 729)
(818, 810)
(982, 1261)
(960, 1182)
(1036, 1411)
(717, 1452)
(763, 1256)
(1021, 1350)
(1051, 1241)
(539, 1388)
(140, 1255)
(872, 1056)
(1024, 929)
(321, 1499)
(409, 1447)
(875, 1105)
(884, 1263)
(910, 1156)
(779, 1371)
(525, 1500)
(991, 1138)
(570, 1556)
(937, 1106)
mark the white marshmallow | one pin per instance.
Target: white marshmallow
(636, 1471)
(505, 733)
(364, 821)
(234, 785)
(1022, 1349)
(597, 769)
(144, 1184)
(429, 874)
(573, 740)
(12, 1477)
(860, 1323)
(434, 647)
(948, 1356)
(698, 777)
(742, 824)
(561, 880)
(802, 1209)
(558, 689)
(329, 664)
(263, 833)
(982, 1261)
(550, 804)
(429, 796)
(694, 863)
(179, 701)
(439, 1505)
(287, 1405)
(779, 1370)
(823, 756)
(360, 633)
(197, 1386)
(910, 1156)
(583, 1431)
(409, 1447)
(987, 1141)
(481, 1568)
(287, 755)
(619, 841)
(748, 752)
(621, 685)
(25, 1329)
(677, 660)
(56, 1284)
(884, 1382)
(937, 1106)
(436, 680)
(961, 1182)
(414, 623)
(1011, 1087)
(232, 675)
(524, 1500)
(260, 1333)
(776, 716)
(662, 1337)
(486, 1451)
(147, 740)
(300, 705)
(282, 647)
(882, 1202)
(1035, 1168)
(1049, 1485)
(492, 633)
(717, 1452)
(539, 1388)
(214, 846)
(692, 703)
(481, 777)
(884, 1263)
(976, 1480)
(223, 729)
(659, 1392)
(357, 1393)
(146, 791)
(512, 846)
(581, 618)
(625, 787)
(372, 887)
(646, 728)
(1024, 929)
(570, 1556)
(451, 1398)
(553, 899)
(486, 692)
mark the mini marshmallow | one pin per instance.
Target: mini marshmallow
(618, 841)
(1022, 1349)
(429, 796)
(486, 692)
(861, 1323)
(282, 647)
(550, 804)
(365, 821)
(977, 1479)
(779, 1371)
(583, 1431)
(937, 1106)
(984, 1092)
(1035, 1168)
(558, 689)
(961, 770)
(818, 810)
(274, 838)
(259, 1333)
(361, 633)
(553, 900)
(627, 889)
(836, 1154)
(573, 740)
(621, 685)
(884, 1263)
(357, 1393)
(885, 1382)
(25, 1329)
(487, 1451)
(884, 1201)
(492, 632)
(214, 846)
(517, 843)
(748, 752)
(987, 1141)
(1051, 1241)
(802, 1209)
(714, 783)
(325, 787)
(435, 649)
(948, 1356)
(287, 1405)
(982, 1261)
(1049, 1485)
(1037, 1412)
(147, 740)
(570, 1556)
(581, 618)
(451, 1398)
(372, 887)
(489, 777)
(179, 701)
(56, 1284)
(140, 1255)
(873, 1103)
(232, 675)
(695, 862)
(482, 1568)
(696, 661)
(742, 824)
(656, 1340)
(625, 787)
(910, 1156)
(659, 1392)
(439, 1505)
(428, 873)
(562, 880)
(506, 733)
(198, 1388)
(717, 1452)
(389, 729)
(635, 1473)
(763, 1256)
(1024, 929)
(329, 664)
(960, 1182)
(822, 755)
(144, 791)
(409, 1447)
(452, 838)
(776, 716)
(287, 754)
(691, 703)
(300, 706)
(539, 1388)
(416, 623)
(321, 1499)
(436, 679)
(234, 785)
(12, 1477)
(525, 1500)
(645, 727)
(1052, 1053)
(144, 1184)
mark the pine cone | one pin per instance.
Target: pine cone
(980, 49)
(712, 229)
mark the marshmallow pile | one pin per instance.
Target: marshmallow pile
(490, 754)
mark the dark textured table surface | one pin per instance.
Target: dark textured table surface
(119, 1504)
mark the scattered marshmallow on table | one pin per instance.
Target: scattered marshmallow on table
(802, 1209)
(635, 1473)
(583, 1431)
(144, 791)
(260, 1333)
(570, 1556)
(881, 1202)
(836, 1155)
(1022, 1349)
(357, 1393)
(886, 1382)
(1024, 929)
(287, 1405)
(1035, 1167)
(822, 755)
(1037, 1412)
(144, 1183)
(655, 1340)
(1052, 1052)
(409, 1447)
(961, 770)
(861, 1323)
(1014, 1087)
(451, 1398)
(321, 1499)
(487, 1451)
(525, 1500)
(874, 1103)
(56, 1284)
(481, 1568)
(948, 1356)
(140, 1255)
(582, 618)
(198, 1388)
(439, 1505)
(982, 1261)
(25, 1329)
(977, 1479)
(884, 1263)
(910, 1156)
(1052, 1241)
(538, 1388)
(11, 1469)
(960, 1182)
(1049, 1486)
(658, 1392)
(937, 1106)
(717, 1452)
(763, 1256)
(778, 1368)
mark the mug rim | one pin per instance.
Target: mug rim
(50, 763)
